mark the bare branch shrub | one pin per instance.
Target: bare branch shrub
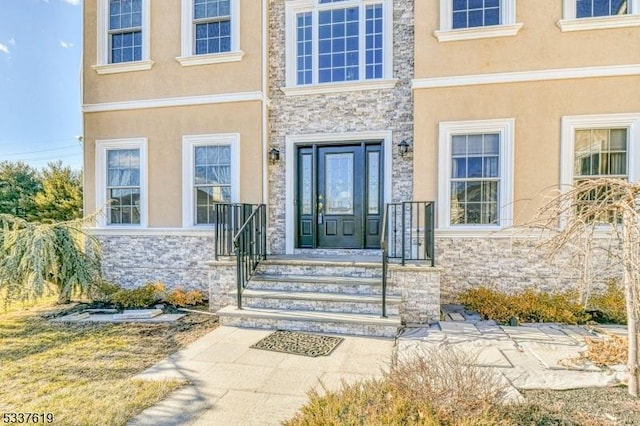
(453, 383)
(602, 212)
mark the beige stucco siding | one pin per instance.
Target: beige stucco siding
(538, 45)
(164, 129)
(168, 78)
(537, 109)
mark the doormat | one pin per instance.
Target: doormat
(293, 342)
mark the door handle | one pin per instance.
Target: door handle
(320, 207)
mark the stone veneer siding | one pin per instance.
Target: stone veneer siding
(176, 260)
(419, 287)
(359, 111)
(513, 263)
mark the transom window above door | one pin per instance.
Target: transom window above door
(338, 41)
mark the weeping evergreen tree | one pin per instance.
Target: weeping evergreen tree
(38, 259)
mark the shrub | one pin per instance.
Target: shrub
(180, 297)
(527, 305)
(103, 291)
(609, 305)
(438, 387)
(140, 297)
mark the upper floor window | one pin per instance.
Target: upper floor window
(210, 32)
(599, 14)
(125, 31)
(591, 8)
(470, 19)
(123, 36)
(331, 41)
(475, 13)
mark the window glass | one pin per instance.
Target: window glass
(212, 180)
(123, 186)
(475, 179)
(212, 26)
(349, 40)
(475, 13)
(125, 30)
(592, 8)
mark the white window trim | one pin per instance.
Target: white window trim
(603, 121)
(188, 144)
(506, 129)
(103, 66)
(508, 28)
(102, 146)
(189, 58)
(299, 6)
(569, 22)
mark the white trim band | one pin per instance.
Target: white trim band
(173, 102)
(525, 76)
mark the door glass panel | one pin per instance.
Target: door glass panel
(339, 183)
(373, 180)
(306, 184)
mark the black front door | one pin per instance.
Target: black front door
(339, 196)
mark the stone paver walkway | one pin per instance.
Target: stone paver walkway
(534, 356)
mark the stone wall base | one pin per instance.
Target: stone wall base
(176, 260)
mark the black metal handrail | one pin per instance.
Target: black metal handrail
(229, 218)
(407, 235)
(250, 243)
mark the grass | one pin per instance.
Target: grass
(83, 373)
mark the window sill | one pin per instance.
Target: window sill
(213, 58)
(123, 67)
(477, 33)
(599, 23)
(351, 86)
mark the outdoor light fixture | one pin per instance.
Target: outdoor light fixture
(274, 155)
(403, 148)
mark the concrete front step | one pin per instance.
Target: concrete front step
(321, 267)
(324, 302)
(322, 322)
(317, 283)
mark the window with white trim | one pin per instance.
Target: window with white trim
(123, 36)
(210, 32)
(599, 146)
(470, 19)
(599, 14)
(210, 176)
(332, 41)
(596, 146)
(476, 174)
(121, 181)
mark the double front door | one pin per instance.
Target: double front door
(339, 195)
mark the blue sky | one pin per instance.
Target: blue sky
(40, 105)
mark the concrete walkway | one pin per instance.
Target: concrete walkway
(233, 384)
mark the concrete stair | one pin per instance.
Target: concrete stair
(317, 295)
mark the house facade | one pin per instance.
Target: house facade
(326, 111)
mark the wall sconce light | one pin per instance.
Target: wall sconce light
(274, 155)
(403, 148)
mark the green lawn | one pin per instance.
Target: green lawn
(83, 374)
